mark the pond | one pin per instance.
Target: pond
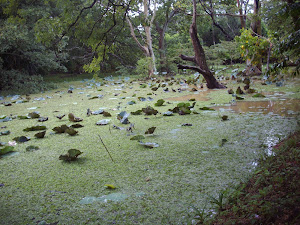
(198, 155)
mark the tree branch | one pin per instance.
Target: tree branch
(188, 67)
(134, 36)
(188, 58)
(92, 30)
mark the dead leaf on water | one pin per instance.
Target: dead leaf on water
(150, 130)
(149, 144)
(71, 131)
(72, 118)
(40, 134)
(71, 155)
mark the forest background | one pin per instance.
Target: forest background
(147, 37)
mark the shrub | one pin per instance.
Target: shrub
(20, 82)
(143, 66)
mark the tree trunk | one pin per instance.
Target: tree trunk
(161, 40)
(152, 68)
(147, 48)
(161, 48)
(199, 58)
(256, 25)
(242, 19)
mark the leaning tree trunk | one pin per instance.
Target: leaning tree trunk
(199, 58)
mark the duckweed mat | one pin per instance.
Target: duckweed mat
(194, 156)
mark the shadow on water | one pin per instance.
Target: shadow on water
(287, 107)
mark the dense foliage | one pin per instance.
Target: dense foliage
(94, 36)
(22, 59)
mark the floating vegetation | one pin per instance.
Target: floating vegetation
(168, 113)
(138, 112)
(24, 117)
(71, 131)
(110, 186)
(239, 91)
(35, 128)
(258, 95)
(60, 116)
(32, 148)
(5, 119)
(103, 122)
(71, 155)
(137, 137)
(239, 98)
(149, 111)
(106, 114)
(76, 125)
(123, 117)
(72, 118)
(131, 103)
(186, 125)
(40, 134)
(21, 139)
(149, 144)
(159, 102)
(34, 115)
(42, 119)
(150, 130)
(7, 132)
(60, 129)
(206, 108)
(224, 117)
(6, 150)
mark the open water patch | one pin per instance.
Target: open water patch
(115, 197)
(9, 154)
(287, 108)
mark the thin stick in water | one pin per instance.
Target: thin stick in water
(106, 148)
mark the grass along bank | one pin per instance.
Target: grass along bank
(270, 196)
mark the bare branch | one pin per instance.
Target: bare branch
(81, 11)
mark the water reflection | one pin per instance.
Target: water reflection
(283, 107)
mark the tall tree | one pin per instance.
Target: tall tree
(147, 47)
(167, 12)
(199, 58)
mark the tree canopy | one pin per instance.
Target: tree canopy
(51, 36)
